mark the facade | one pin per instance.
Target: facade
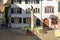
(45, 13)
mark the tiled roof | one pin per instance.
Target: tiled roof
(7, 3)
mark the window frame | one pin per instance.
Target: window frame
(32, 1)
(16, 10)
(27, 20)
(12, 20)
(16, 1)
(54, 20)
(49, 9)
(16, 20)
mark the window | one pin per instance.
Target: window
(12, 11)
(12, 20)
(28, 11)
(19, 1)
(20, 20)
(15, 1)
(37, 1)
(26, 20)
(59, 6)
(54, 20)
(12, 1)
(16, 10)
(32, 1)
(16, 20)
(49, 9)
(36, 10)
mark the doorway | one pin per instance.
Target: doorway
(38, 22)
(45, 22)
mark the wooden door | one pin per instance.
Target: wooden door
(45, 22)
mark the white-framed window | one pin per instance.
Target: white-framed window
(54, 20)
(49, 9)
(16, 10)
(28, 11)
(31, 1)
(27, 20)
(36, 10)
(16, 20)
(16, 1)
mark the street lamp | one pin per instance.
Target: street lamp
(32, 19)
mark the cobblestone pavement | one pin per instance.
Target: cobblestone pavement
(7, 34)
(13, 34)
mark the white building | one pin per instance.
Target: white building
(45, 11)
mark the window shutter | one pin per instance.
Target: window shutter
(24, 20)
(12, 20)
(12, 1)
(12, 10)
(20, 20)
(20, 10)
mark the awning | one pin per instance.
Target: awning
(53, 16)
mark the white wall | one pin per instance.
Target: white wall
(44, 15)
(47, 15)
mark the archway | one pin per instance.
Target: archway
(45, 22)
(38, 22)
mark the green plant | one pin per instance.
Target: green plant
(27, 27)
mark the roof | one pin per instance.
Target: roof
(53, 16)
(8, 2)
(1, 9)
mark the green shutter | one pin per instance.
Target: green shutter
(59, 7)
(12, 20)
(20, 20)
(26, 1)
(37, 1)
